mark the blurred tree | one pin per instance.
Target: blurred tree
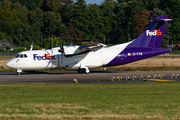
(52, 5)
(74, 35)
(14, 22)
(120, 35)
(150, 4)
(156, 12)
(7, 3)
(79, 18)
(109, 17)
(175, 31)
(66, 14)
(52, 25)
(5, 36)
(95, 22)
(20, 9)
(36, 23)
(56, 42)
(30, 4)
(69, 3)
(141, 22)
(123, 1)
(6, 22)
(29, 19)
(133, 8)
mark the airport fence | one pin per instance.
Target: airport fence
(8, 53)
(174, 52)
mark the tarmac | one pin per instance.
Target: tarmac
(94, 77)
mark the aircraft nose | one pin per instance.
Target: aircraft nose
(8, 64)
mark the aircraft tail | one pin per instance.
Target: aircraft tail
(152, 37)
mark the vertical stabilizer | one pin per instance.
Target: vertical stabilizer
(152, 37)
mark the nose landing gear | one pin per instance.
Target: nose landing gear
(19, 71)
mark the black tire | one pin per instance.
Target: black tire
(80, 70)
(83, 70)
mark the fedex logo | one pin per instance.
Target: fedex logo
(44, 57)
(153, 33)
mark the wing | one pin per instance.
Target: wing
(83, 49)
(94, 47)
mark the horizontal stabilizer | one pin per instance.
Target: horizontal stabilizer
(163, 20)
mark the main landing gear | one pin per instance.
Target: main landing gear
(83, 70)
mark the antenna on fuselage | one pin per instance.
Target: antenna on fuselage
(31, 46)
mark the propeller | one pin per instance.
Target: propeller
(61, 50)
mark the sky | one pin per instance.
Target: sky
(93, 1)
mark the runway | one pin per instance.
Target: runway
(94, 77)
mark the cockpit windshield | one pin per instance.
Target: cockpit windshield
(17, 55)
(21, 56)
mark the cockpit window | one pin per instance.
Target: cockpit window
(25, 55)
(21, 56)
(17, 55)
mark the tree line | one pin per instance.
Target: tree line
(40, 21)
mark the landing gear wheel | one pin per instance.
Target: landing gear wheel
(80, 70)
(83, 70)
(18, 73)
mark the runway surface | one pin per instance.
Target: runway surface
(94, 77)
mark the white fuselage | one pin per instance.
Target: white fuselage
(50, 59)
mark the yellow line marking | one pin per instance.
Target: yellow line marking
(160, 80)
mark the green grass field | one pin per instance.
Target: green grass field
(94, 101)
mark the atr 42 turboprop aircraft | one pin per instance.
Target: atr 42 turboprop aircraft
(83, 58)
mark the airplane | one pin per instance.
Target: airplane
(85, 57)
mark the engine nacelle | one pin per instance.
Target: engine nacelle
(70, 50)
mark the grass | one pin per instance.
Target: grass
(99, 101)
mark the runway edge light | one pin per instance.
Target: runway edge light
(119, 77)
(148, 76)
(113, 78)
(134, 77)
(75, 80)
(127, 78)
(177, 75)
(155, 76)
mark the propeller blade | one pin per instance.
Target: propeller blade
(61, 50)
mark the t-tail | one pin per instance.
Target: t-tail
(152, 37)
(146, 45)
